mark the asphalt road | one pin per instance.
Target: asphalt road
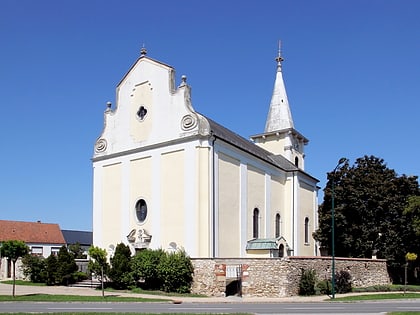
(256, 308)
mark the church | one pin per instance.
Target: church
(166, 176)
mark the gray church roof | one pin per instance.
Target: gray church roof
(240, 142)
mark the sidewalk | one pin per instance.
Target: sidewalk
(6, 289)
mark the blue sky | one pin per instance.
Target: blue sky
(351, 69)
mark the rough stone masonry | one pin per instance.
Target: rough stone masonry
(278, 277)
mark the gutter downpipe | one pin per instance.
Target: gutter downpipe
(294, 210)
(213, 188)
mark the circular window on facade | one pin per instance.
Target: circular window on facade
(141, 210)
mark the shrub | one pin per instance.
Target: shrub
(80, 276)
(144, 267)
(343, 282)
(307, 282)
(324, 287)
(120, 272)
(34, 267)
(159, 270)
(176, 272)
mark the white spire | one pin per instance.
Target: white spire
(279, 116)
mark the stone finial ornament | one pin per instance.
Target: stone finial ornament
(143, 51)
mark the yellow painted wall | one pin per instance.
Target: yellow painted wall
(265, 253)
(287, 218)
(111, 202)
(305, 205)
(273, 143)
(140, 188)
(229, 202)
(277, 205)
(256, 199)
(172, 181)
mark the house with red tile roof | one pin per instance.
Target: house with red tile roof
(43, 239)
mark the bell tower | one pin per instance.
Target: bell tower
(279, 136)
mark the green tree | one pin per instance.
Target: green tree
(34, 267)
(413, 210)
(14, 250)
(369, 208)
(51, 267)
(120, 272)
(98, 264)
(77, 251)
(66, 266)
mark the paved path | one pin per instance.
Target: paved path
(6, 289)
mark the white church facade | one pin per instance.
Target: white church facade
(166, 176)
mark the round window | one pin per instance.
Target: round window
(141, 210)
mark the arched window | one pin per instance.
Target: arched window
(296, 161)
(306, 230)
(255, 226)
(277, 225)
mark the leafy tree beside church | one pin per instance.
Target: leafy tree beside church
(369, 210)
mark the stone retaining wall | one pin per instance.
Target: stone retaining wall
(279, 277)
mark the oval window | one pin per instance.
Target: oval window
(141, 210)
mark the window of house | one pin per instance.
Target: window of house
(306, 230)
(141, 210)
(36, 250)
(55, 250)
(296, 161)
(277, 225)
(255, 226)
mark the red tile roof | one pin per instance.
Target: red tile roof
(31, 232)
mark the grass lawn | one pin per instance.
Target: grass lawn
(22, 282)
(380, 296)
(75, 298)
(81, 313)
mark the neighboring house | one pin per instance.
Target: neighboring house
(83, 238)
(166, 176)
(43, 239)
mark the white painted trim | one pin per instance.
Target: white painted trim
(268, 219)
(216, 201)
(295, 214)
(125, 199)
(315, 224)
(243, 209)
(97, 206)
(212, 201)
(156, 202)
(190, 193)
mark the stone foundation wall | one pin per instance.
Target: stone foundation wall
(6, 268)
(279, 277)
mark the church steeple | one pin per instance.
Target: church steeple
(279, 116)
(280, 136)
